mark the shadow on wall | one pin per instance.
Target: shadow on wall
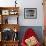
(37, 29)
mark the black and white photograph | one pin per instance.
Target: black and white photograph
(30, 13)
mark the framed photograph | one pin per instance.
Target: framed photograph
(5, 12)
(12, 12)
(30, 13)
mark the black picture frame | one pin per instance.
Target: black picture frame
(30, 13)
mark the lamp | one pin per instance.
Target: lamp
(15, 3)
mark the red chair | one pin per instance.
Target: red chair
(29, 33)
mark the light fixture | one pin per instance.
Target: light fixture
(15, 3)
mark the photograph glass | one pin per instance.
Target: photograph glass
(30, 13)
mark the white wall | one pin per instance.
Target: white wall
(27, 4)
(31, 4)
